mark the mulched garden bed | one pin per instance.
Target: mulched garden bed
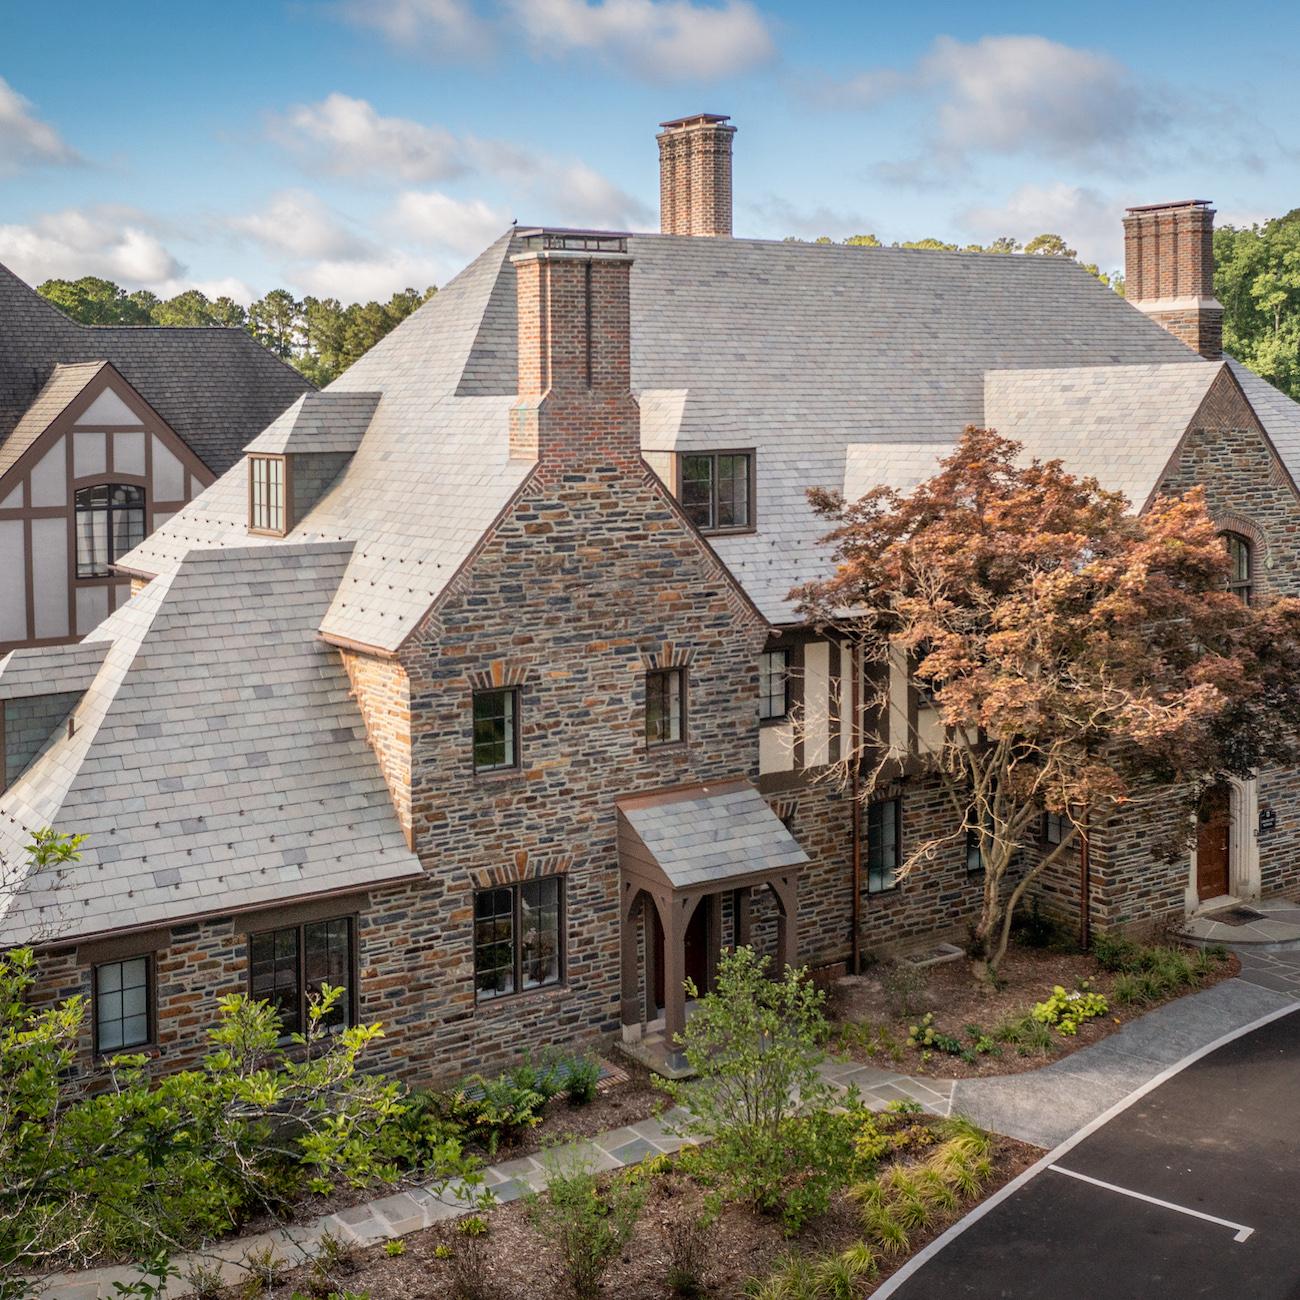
(513, 1262)
(949, 991)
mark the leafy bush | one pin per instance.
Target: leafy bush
(495, 1111)
(1114, 952)
(1067, 1011)
(580, 1080)
(759, 1101)
(255, 1126)
(586, 1223)
(926, 1036)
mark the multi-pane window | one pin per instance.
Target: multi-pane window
(110, 522)
(122, 1004)
(266, 495)
(1240, 578)
(884, 841)
(288, 966)
(774, 684)
(1054, 827)
(716, 489)
(518, 937)
(665, 706)
(496, 730)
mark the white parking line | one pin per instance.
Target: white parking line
(1240, 1229)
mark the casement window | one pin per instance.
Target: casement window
(123, 997)
(287, 966)
(1055, 827)
(496, 730)
(518, 937)
(267, 497)
(774, 685)
(717, 490)
(1241, 580)
(884, 844)
(109, 522)
(665, 706)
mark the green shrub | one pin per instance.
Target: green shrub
(1128, 990)
(587, 1224)
(495, 1111)
(1114, 952)
(1067, 1011)
(926, 1036)
(580, 1080)
(759, 1102)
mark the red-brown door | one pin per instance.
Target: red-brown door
(697, 946)
(1213, 838)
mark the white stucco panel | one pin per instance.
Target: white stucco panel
(92, 608)
(108, 408)
(13, 587)
(816, 694)
(89, 454)
(50, 576)
(168, 473)
(776, 748)
(128, 453)
(50, 477)
(14, 501)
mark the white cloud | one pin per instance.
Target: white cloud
(447, 27)
(297, 224)
(464, 226)
(1016, 94)
(24, 138)
(347, 137)
(1086, 219)
(366, 279)
(778, 217)
(660, 40)
(574, 194)
(108, 242)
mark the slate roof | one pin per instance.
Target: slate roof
(32, 671)
(215, 387)
(319, 422)
(800, 351)
(711, 834)
(64, 384)
(218, 760)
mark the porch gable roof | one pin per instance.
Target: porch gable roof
(705, 837)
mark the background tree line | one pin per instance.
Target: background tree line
(318, 336)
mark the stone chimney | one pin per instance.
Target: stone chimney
(695, 175)
(575, 404)
(1169, 271)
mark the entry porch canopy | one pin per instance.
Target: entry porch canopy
(679, 846)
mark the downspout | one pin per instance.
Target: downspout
(1085, 886)
(855, 668)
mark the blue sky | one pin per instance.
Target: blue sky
(351, 147)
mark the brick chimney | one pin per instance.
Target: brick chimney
(1169, 271)
(575, 404)
(695, 175)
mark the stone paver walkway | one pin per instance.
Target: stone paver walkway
(1275, 923)
(1041, 1106)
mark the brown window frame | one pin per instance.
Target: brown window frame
(887, 874)
(265, 530)
(348, 1002)
(1057, 822)
(764, 697)
(683, 714)
(712, 528)
(110, 511)
(516, 892)
(489, 769)
(1242, 588)
(151, 1007)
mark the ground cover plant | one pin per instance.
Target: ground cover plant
(1049, 999)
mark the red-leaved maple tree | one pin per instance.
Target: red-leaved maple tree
(1080, 658)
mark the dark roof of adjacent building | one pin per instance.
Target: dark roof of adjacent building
(216, 387)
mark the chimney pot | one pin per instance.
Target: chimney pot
(695, 175)
(1169, 271)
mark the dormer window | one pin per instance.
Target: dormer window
(267, 497)
(716, 490)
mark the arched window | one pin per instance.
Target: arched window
(110, 521)
(1240, 559)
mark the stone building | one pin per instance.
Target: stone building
(105, 433)
(472, 685)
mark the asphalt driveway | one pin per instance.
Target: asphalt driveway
(1194, 1190)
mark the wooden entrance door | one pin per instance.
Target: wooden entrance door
(1213, 842)
(697, 945)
